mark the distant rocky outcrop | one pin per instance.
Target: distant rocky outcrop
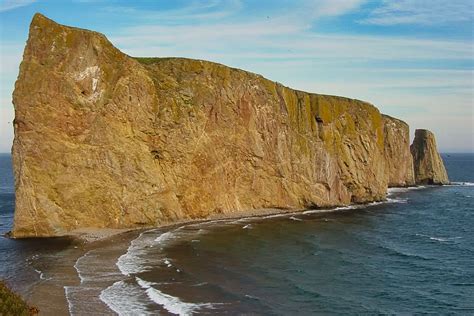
(428, 164)
(106, 140)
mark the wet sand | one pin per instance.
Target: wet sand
(49, 293)
(58, 273)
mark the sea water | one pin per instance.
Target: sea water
(411, 254)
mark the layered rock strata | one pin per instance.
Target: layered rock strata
(399, 162)
(428, 164)
(106, 140)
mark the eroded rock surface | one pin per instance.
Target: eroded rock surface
(106, 140)
(397, 152)
(428, 164)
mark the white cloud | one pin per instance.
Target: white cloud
(334, 7)
(204, 10)
(278, 39)
(282, 45)
(6, 5)
(421, 12)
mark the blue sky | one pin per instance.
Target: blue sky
(413, 59)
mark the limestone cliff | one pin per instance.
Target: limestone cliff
(106, 140)
(397, 152)
(428, 165)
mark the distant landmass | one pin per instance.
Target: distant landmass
(105, 140)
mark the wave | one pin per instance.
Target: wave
(163, 238)
(397, 200)
(296, 219)
(464, 184)
(91, 268)
(135, 260)
(78, 270)
(274, 215)
(402, 253)
(391, 191)
(126, 299)
(171, 303)
(41, 274)
(68, 299)
(248, 226)
(440, 239)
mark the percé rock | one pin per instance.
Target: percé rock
(106, 140)
(397, 152)
(428, 164)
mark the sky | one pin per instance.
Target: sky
(413, 59)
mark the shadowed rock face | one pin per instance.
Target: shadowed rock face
(428, 165)
(106, 140)
(399, 161)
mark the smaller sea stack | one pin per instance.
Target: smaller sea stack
(429, 167)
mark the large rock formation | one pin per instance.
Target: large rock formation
(397, 152)
(106, 140)
(429, 167)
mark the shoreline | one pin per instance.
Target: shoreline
(91, 234)
(89, 239)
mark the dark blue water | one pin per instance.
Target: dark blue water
(7, 193)
(16, 256)
(414, 255)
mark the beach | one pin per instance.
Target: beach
(264, 261)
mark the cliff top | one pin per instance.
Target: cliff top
(424, 133)
(54, 29)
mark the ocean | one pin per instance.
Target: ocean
(412, 254)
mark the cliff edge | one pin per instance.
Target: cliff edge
(106, 140)
(428, 164)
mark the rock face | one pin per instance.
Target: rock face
(106, 140)
(429, 167)
(397, 152)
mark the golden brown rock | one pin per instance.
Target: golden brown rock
(106, 140)
(428, 164)
(397, 152)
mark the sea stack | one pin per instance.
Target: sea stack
(428, 164)
(106, 140)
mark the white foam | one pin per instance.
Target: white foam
(125, 299)
(440, 239)
(275, 215)
(397, 200)
(248, 226)
(163, 238)
(464, 184)
(135, 260)
(200, 284)
(391, 191)
(318, 211)
(167, 262)
(41, 275)
(76, 266)
(68, 299)
(171, 303)
(295, 219)
(348, 207)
